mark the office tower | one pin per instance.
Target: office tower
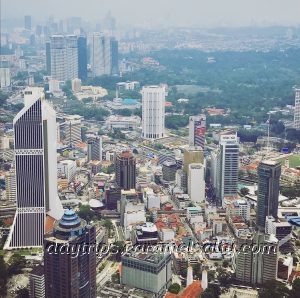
(150, 272)
(64, 57)
(153, 111)
(126, 170)
(95, 149)
(112, 195)
(114, 56)
(268, 191)
(196, 182)
(169, 169)
(70, 272)
(297, 110)
(228, 166)
(37, 282)
(36, 171)
(82, 57)
(104, 55)
(4, 74)
(10, 185)
(256, 263)
(27, 22)
(48, 57)
(67, 168)
(72, 56)
(197, 126)
(58, 57)
(71, 130)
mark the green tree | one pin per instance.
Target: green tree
(85, 212)
(22, 293)
(3, 277)
(124, 112)
(273, 289)
(174, 288)
(108, 225)
(244, 191)
(15, 264)
(212, 291)
(294, 293)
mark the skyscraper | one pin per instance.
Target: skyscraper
(82, 57)
(227, 166)
(95, 149)
(255, 261)
(196, 182)
(153, 111)
(70, 273)
(297, 110)
(197, 125)
(126, 170)
(104, 55)
(36, 171)
(268, 191)
(48, 57)
(5, 76)
(27, 22)
(71, 130)
(64, 57)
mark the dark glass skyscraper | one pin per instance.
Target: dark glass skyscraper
(268, 191)
(27, 22)
(82, 57)
(70, 273)
(126, 170)
(114, 56)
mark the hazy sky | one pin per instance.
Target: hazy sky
(168, 12)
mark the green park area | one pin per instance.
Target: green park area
(293, 159)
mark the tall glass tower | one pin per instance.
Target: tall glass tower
(268, 191)
(36, 171)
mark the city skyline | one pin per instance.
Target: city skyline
(170, 13)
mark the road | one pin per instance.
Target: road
(106, 273)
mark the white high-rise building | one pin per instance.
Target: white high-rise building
(71, 130)
(58, 57)
(104, 54)
(36, 171)
(227, 166)
(196, 182)
(197, 126)
(4, 74)
(153, 111)
(297, 110)
(64, 57)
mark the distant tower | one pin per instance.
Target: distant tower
(36, 171)
(126, 170)
(153, 111)
(297, 110)
(189, 276)
(197, 125)
(27, 22)
(82, 57)
(104, 55)
(268, 191)
(64, 57)
(204, 280)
